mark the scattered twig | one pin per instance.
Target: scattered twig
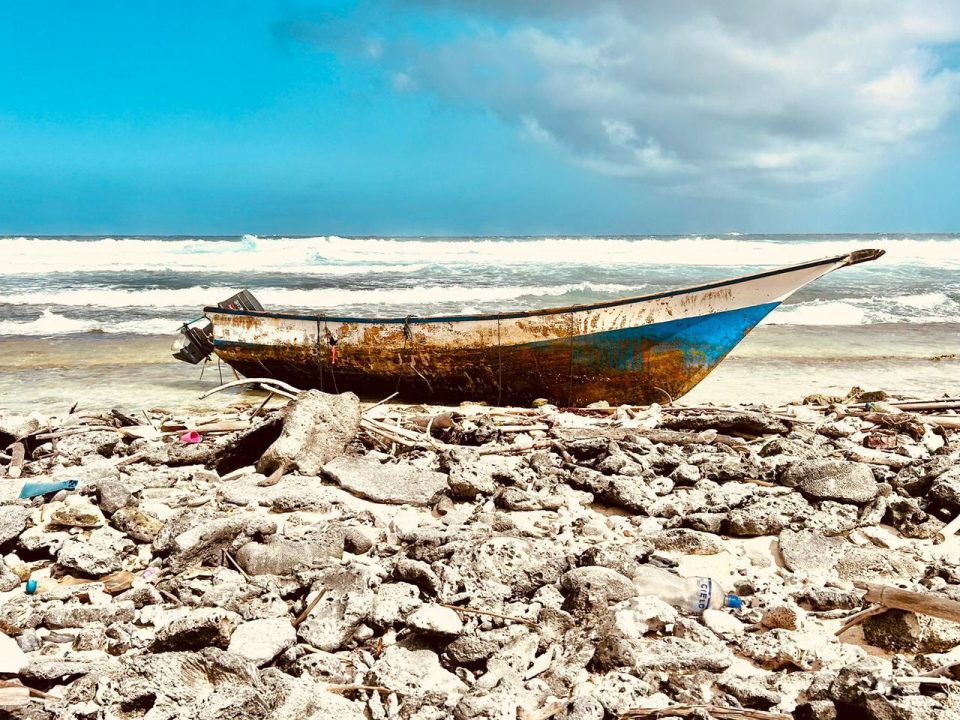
(522, 428)
(378, 404)
(236, 567)
(353, 688)
(309, 609)
(716, 711)
(33, 691)
(473, 611)
(942, 670)
(859, 617)
(74, 431)
(923, 680)
(545, 713)
(511, 449)
(263, 405)
(135, 458)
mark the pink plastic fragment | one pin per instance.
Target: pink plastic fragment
(192, 437)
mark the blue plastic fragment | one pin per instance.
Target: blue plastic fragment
(36, 489)
(31, 586)
(734, 601)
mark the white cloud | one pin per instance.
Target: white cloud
(737, 95)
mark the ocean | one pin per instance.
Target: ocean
(89, 320)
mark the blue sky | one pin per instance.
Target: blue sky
(469, 117)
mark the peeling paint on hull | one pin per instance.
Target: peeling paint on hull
(636, 350)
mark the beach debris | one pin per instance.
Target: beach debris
(17, 455)
(38, 488)
(479, 561)
(926, 603)
(191, 437)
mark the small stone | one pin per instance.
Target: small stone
(782, 617)
(100, 553)
(435, 620)
(722, 623)
(833, 480)
(807, 552)
(902, 631)
(356, 541)
(282, 556)
(394, 483)
(687, 542)
(204, 627)
(80, 515)
(591, 586)
(946, 489)
(139, 525)
(393, 602)
(115, 493)
(416, 673)
(13, 520)
(816, 710)
(71, 616)
(262, 640)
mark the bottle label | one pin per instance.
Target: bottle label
(704, 592)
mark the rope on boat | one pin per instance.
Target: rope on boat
(499, 363)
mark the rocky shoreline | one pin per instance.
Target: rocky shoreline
(322, 560)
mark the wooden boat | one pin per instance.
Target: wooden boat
(635, 350)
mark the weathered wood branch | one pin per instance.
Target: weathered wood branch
(923, 603)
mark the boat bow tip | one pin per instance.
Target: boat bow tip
(862, 256)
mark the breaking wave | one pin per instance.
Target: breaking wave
(334, 255)
(196, 297)
(51, 323)
(924, 308)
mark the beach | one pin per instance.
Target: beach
(324, 558)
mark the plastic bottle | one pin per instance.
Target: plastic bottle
(694, 594)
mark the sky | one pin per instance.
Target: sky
(462, 117)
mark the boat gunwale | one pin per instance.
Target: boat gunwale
(419, 319)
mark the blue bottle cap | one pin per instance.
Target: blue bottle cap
(734, 601)
(31, 586)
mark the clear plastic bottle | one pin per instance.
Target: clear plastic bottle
(694, 594)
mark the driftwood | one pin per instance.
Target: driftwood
(716, 711)
(923, 603)
(676, 437)
(269, 384)
(947, 531)
(18, 452)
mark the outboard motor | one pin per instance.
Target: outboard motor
(243, 300)
(196, 338)
(195, 341)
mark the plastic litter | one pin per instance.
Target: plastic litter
(191, 437)
(36, 489)
(694, 594)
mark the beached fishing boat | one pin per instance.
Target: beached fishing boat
(635, 350)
